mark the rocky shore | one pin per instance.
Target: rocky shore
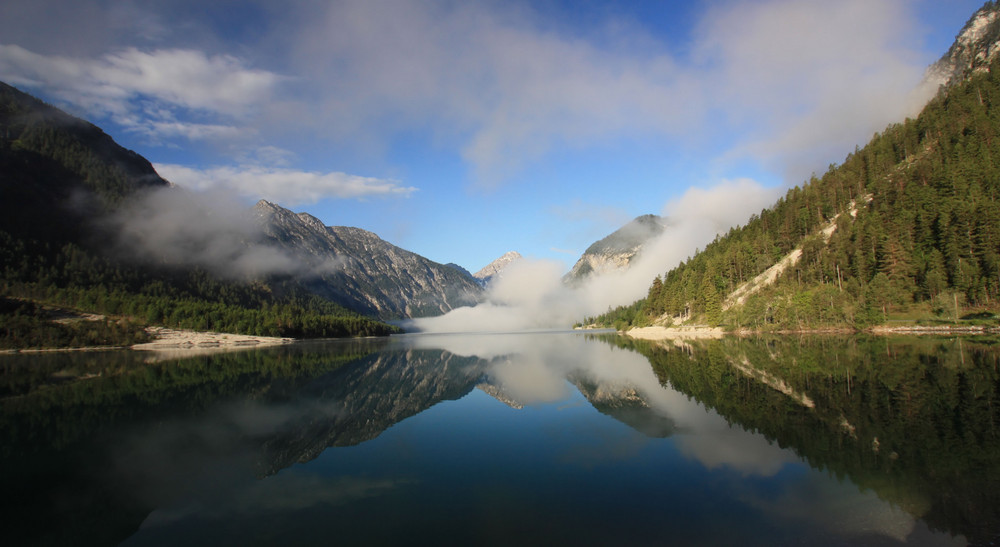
(674, 333)
(942, 329)
(696, 332)
(169, 343)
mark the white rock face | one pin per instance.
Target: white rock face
(973, 50)
(495, 269)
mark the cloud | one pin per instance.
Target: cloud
(190, 131)
(211, 230)
(486, 77)
(791, 83)
(148, 91)
(805, 81)
(282, 185)
(693, 220)
(531, 294)
(192, 79)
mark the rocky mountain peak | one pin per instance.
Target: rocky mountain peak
(357, 269)
(312, 221)
(265, 209)
(974, 47)
(616, 251)
(495, 269)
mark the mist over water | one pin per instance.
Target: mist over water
(530, 294)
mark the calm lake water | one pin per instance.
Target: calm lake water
(508, 439)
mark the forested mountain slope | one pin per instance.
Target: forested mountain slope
(61, 182)
(928, 238)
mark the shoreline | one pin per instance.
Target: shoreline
(943, 329)
(700, 332)
(674, 333)
(170, 342)
(173, 339)
(177, 343)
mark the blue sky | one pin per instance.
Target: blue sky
(462, 130)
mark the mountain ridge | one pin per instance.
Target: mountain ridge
(617, 250)
(975, 46)
(494, 270)
(81, 228)
(926, 242)
(358, 269)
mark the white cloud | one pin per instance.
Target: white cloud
(486, 77)
(287, 186)
(208, 229)
(189, 131)
(787, 82)
(805, 81)
(149, 92)
(531, 294)
(219, 83)
(792, 83)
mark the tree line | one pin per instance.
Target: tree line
(59, 176)
(917, 227)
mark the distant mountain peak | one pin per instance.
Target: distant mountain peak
(266, 206)
(495, 269)
(616, 251)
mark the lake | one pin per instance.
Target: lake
(504, 439)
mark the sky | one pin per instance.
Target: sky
(463, 130)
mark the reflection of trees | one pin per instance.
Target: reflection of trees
(69, 419)
(915, 420)
(64, 415)
(54, 400)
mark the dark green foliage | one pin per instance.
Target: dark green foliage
(624, 317)
(932, 227)
(25, 325)
(59, 179)
(45, 153)
(181, 298)
(912, 419)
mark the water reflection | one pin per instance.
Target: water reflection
(535, 368)
(577, 437)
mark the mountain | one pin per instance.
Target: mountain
(58, 171)
(907, 226)
(973, 50)
(357, 269)
(461, 270)
(71, 200)
(616, 251)
(495, 269)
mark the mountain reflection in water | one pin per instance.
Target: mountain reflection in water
(528, 438)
